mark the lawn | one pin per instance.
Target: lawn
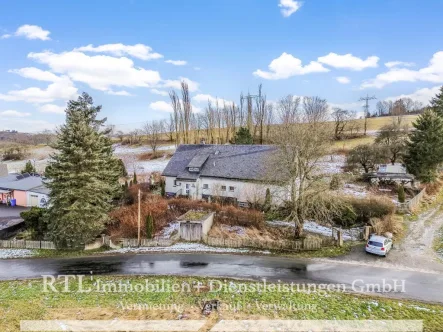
(26, 299)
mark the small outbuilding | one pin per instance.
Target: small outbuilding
(195, 224)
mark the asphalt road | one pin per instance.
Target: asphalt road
(417, 285)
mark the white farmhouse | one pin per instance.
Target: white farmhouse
(234, 172)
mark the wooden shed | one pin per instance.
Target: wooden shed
(194, 225)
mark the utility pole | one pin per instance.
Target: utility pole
(366, 108)
(139, 218)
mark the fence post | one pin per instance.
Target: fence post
(367, 231)
(340, 238)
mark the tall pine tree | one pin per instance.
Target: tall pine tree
(425, 146)
(83, 177)
(437, 103)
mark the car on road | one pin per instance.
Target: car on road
(378, 245)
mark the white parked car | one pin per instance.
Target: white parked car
(378, 245)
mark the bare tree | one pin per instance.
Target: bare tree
(295, 165)
(154, 131)
(341, 119)
(393, 138)
(187, 110)
(177, 115)
(288, 110)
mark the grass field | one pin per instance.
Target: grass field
(26, 300)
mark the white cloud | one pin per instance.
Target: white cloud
(14, 114)
(139, 51)
(176, 84)
(423, 95)
(348, 61)
(5, 36)
(36, 74)
(176, 62)
(51, 108)
(161, 106)
(63, 89)
(391, 64)
(204, 98)
(100, 72)
(289, 7)
(32, 32)
(432, 73)
(287, 66)
(119, 93)
(197, 68)
(343, 80)
(160, 92)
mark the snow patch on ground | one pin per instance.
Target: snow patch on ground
(127, 149)
(351, 234)
(332, 164)
(185, 247)
(354, 190)
(15, 253)
(167, 231)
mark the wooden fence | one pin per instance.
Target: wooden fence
(296, 245)
(25, 244)
(411, 204)
(156, 242)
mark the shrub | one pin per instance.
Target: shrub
(392, 224)
(335, 183)
(35, 221)
(371, 207)
(401, 194)
(29, 168)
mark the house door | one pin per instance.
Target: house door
(33, 200)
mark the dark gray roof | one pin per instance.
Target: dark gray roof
(243, 162)
(29, 183)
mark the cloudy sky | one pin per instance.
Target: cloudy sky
(129, 54)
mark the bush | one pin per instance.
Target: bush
(35, 222)
(388, 224)
(362, 210)
(335, 183)
(371, 207)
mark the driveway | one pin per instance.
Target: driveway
(10, 220)
(415, 252)
(417, 285)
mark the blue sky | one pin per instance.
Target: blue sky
(120, 52)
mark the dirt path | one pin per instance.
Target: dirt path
(415, 252)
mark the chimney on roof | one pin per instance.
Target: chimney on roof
(3, 170)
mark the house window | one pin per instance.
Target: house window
(176, 183)
(231, 189)
(187, 186)
(223, 188)
(206, 186)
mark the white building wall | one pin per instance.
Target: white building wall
(242, 191)
(42, 199)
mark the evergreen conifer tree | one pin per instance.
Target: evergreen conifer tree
(83, 177)
(425, 146)
(243, 136)
(401, 194)
(29, 168)
(134, 181)
(437, 103)
(149, 227)
(268, 200)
